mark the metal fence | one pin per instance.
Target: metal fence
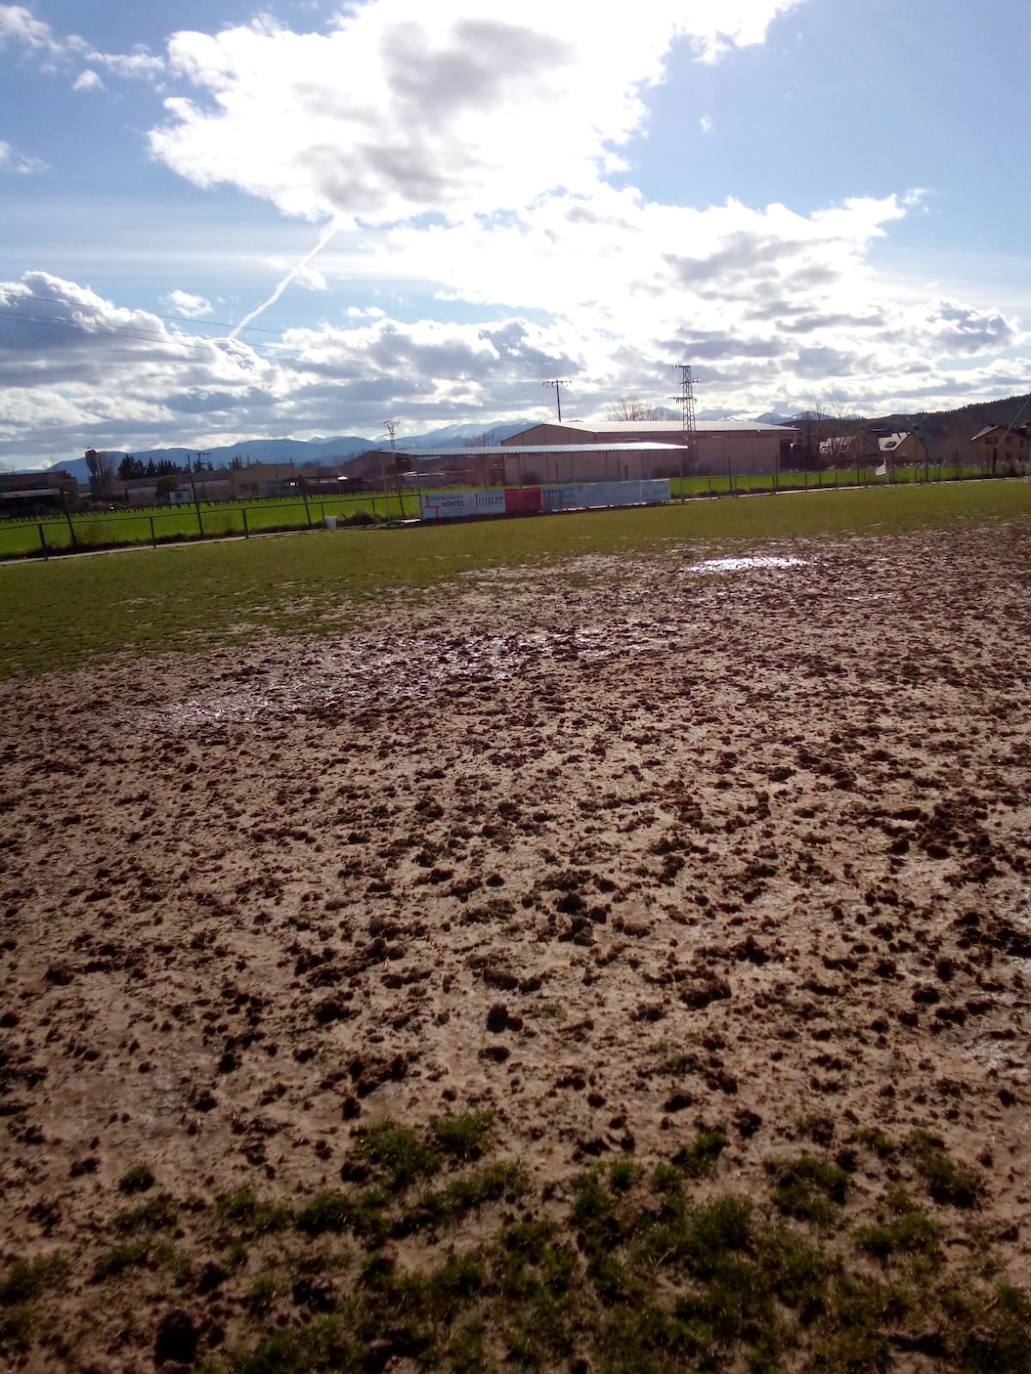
(70, 534)
(82, 534)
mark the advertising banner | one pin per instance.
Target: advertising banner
(592, 495)
(523, 500)
(462, 505)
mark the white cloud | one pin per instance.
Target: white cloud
(88, 81)
(18, 26)
(469, 144)
(13, 161)
(185, 303)
(406, 108)
(706, 124)
(76, 369)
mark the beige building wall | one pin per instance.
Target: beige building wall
(746, 450)
(530, 469)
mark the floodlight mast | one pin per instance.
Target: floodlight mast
(685, 399)
(390, 426)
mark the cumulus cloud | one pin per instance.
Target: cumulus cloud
(78, 370)
(461, 154)
(406, 108)
(18, 25)
(18, 163)
(185, 303)
(88, 81)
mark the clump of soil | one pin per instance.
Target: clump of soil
(640, 869)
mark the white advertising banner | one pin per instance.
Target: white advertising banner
(462, 505)
(591, 495)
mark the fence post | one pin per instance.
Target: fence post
(153, 532)
(246, 527)
(200, 522)
(43, 542)
(730, 473)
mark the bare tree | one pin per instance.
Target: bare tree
(630, 409)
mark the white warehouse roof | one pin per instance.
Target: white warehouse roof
(676, 427)
(639, 446)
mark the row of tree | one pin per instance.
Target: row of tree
(131, 467)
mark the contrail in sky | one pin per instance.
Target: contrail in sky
(324, 238)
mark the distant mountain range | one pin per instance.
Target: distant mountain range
(299, 451)
(944, 432)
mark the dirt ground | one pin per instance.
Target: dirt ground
(618, 850)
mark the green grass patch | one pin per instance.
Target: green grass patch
(158, 1214)
(137, 1179)
(463, 1135)
(113, 1263)
(27, 1279)
(250, 1215)
(873, 1139)
(902, 1230)
(947, 1181)
(399, 1155)
(362, 1211)
(165, 524)
(630, 1269)
(700, 1158)
(66, 613)
(808, 1188)
(468, 1193)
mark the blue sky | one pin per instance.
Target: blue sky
(817, 202)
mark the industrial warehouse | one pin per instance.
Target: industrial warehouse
(615, 451)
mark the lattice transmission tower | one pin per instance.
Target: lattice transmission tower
(685, 399)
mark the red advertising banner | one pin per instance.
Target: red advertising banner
(523, 500)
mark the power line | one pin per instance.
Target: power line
(182, 319)
(194, 340)
(79, 328)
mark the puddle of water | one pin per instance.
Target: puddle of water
(729, 565)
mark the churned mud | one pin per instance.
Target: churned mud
(620, 852)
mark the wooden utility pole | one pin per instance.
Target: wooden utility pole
(558, 383)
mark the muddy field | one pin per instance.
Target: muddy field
(624, 852)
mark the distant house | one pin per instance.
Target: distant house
(1003, 448)
(903, 448)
